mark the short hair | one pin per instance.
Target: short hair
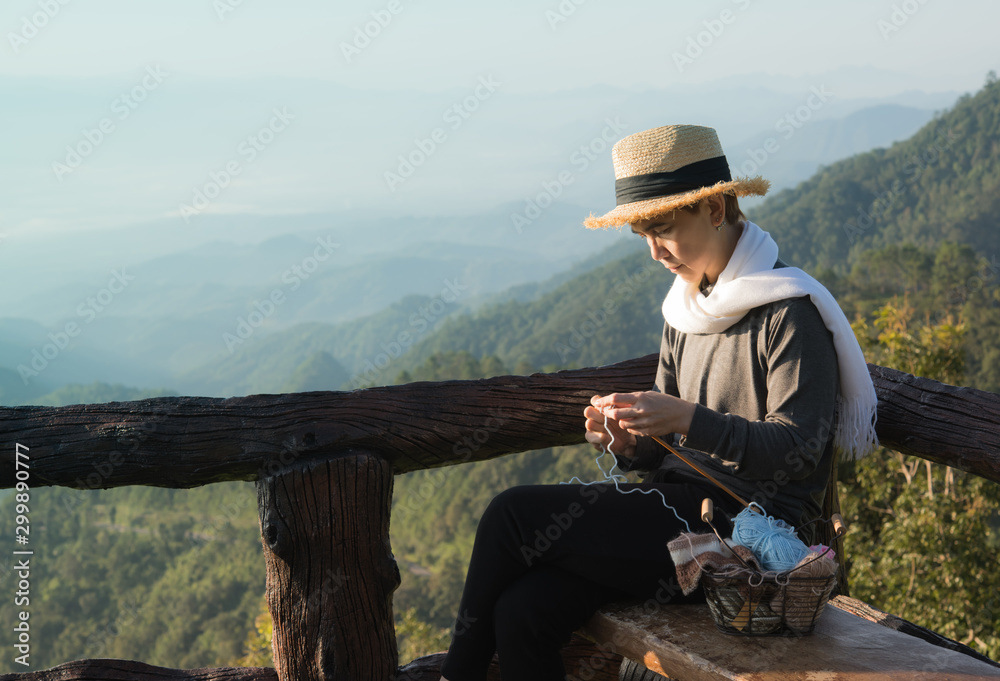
(734, 214)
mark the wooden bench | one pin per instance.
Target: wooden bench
(682, 643)
(851, 641)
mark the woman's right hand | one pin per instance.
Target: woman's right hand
(598, 435)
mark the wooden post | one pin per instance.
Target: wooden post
(330, 570)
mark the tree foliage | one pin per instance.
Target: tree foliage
(417, 638)
(942, 184)
(175, 577)
(923, 536)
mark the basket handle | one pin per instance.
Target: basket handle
(707, 510)
(707, 515)
(839, 528)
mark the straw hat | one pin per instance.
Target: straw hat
(662, 169)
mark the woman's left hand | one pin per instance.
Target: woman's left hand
(647, 413)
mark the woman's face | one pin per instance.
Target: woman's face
(687, 243)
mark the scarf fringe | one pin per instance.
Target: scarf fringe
(854, 434)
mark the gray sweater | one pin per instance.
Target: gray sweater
(765, 391)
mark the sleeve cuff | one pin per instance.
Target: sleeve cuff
(648, 456)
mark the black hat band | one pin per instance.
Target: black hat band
(686, 178)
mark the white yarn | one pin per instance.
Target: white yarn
(750, 280)
(616, 478)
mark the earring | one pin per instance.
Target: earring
(719, 226)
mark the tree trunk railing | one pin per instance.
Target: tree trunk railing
(339, 451)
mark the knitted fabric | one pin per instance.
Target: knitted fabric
(694, 553)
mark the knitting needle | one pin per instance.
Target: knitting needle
(717, 483)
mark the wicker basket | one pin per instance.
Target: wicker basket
(750, 603)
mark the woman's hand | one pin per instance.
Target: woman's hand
(646, 413)
(624, 442)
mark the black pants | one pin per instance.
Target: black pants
(546, 557)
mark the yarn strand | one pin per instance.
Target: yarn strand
(617, 478)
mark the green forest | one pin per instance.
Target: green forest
(906, 238)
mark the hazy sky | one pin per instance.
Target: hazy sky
(182, 87)
(170, 138)
(534, 46)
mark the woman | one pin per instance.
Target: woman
(759, 379)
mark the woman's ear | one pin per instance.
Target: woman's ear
(716, 209)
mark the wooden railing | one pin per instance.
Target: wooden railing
(324, 464)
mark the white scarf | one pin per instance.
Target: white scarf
(750, 280)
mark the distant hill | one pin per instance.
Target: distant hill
(188, 292)
(13, 391)
(177, 575)
(598, 313)
(319, 372)
(264, 364)
(606, 315)
(944, 187)
(941, 184)
(95, 393)
(797, 151)
(332, 268)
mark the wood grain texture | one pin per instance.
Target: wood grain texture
(582, 659)
(330, 570)
(682, 642)
(957, 427)
(873, 614)
(125, 670)
(190, 441)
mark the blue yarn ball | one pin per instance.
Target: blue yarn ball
(773, 541)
